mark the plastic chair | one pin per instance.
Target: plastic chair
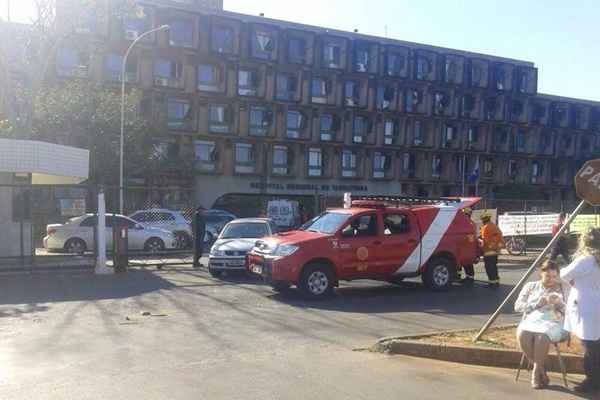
(561, 362)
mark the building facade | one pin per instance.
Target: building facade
(271, 107)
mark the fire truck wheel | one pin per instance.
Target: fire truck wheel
(438, 274)
(316, 281)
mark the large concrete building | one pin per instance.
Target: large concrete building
(271, 107)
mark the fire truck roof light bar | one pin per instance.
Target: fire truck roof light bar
(406, 200)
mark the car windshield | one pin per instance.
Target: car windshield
(328, 222)
(246, 230)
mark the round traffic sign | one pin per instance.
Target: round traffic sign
(587, 182)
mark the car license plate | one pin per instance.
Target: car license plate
(257, 269)
(234, 263)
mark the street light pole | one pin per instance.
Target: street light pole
(123, 72)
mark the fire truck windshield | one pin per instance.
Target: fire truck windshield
(327, 223)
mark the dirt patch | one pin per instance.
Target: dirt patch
(499, 338)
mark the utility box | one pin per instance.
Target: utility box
(120, 248)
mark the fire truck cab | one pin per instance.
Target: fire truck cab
(381, 238)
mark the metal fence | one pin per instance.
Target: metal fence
(28, 216)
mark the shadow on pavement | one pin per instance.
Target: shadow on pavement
(408, 297)
(61, 287)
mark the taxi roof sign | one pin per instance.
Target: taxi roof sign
(587, 182)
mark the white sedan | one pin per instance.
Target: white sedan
(77, 235)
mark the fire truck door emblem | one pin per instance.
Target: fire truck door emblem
(362, 253)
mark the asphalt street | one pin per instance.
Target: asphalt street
(80, 336)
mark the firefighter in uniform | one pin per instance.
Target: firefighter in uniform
(491, 242)
(469, 278)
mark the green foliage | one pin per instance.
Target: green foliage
(88, 115)
(7, 131)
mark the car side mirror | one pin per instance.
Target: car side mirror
(347, 233)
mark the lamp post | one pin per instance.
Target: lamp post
(123, 72)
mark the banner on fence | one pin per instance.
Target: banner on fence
(72, 207)
(582, 222)
(521, 225)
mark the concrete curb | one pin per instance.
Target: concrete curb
(484, 356)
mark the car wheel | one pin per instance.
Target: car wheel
(316, 281)
(214, 273)
(75, 246)
(153, 245)
(438, 274)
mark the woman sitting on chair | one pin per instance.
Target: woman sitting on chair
(543, 306)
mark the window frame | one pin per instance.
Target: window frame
(186, 126)
(208, 165)
(217, 126)
(315, 170)
(244, 167)
(264, 128)
(351, 170)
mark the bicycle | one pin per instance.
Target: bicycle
(516, 245)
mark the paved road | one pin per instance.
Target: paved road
(79, 336)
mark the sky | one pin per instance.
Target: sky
(560, 37)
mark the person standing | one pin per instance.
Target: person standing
(583, 306)
(491, 243)
(469, 278)
(199, 233)
(561, 248)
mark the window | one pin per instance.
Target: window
(362, 57)
(476, 74)
(329, 126)
(441, 101)
(219, 118)
(332, 54)
(223, 39)
(522, 80)
(424, 68)
(297, 50)
(500, 138)
(168, 73)
(488, 168)
(315, 162)
(286, 86)
(500, 77)
(491, 107)
(263, 44)
(351, 94)
(512, 169)
(385, 97)
(520, 141)
(418, 135)
(436, 166)
(472, 135)
(395, 224)
(206, 155)
(210, 77)
(395, 64)
(248, 82)
(390, 132)
(165, 151)
(538, 112)
(360, 129)
(113, 63)
(459, 162)
(559, 114)
(413, 99)
(179, 115)
(260, 121)
(364, 225)
(244, 158)
(320, 89)
(295, 125)
(181, 33)
(448, 135)
(72, 63)
(409, 164)
(546, 140)
(450, 70)
(537, 171)
(137, 22)
(468, 104)
(517, 109)
(280, 160)
(381, 164)
(349, 164)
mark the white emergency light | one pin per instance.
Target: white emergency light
(347, 200)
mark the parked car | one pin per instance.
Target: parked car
(236, 239)
(77, 235)
(216, 221)
(170, 220)
(371, 240)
